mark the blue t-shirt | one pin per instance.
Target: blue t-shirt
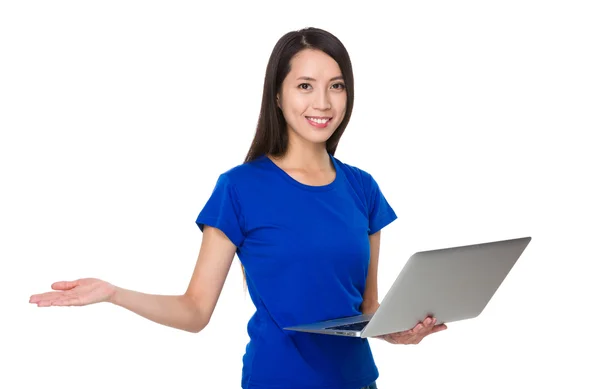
(305, 250)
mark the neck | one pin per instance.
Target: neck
(306, 155)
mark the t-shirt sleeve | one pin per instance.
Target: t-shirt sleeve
(380, 212)
(223, 211)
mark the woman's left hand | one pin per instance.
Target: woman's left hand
(416, 334)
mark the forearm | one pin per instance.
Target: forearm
(174, 311)
(369, 306)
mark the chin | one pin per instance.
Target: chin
(315, 135)
(318, 139)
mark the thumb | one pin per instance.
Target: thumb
(64, 285)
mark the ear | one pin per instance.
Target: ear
(277, 99)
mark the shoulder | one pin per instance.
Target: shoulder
(356, 175)
(244, 178)
(244, 172)
(379, 210)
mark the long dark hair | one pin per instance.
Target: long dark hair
(271, 131)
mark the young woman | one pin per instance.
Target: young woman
(305, 226)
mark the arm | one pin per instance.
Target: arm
(370, 296)
(192, 310)
(189, 312)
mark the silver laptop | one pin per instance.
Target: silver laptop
(449, 284)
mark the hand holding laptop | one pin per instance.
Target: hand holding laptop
(414, 335)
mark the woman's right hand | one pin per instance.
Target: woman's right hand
(80, 292)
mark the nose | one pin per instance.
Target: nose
(321, 101)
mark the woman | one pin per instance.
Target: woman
(305, 226)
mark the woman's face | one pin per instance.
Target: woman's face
(313, 97)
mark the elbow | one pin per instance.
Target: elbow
(197, 316)
(198, 321)
(197, 326)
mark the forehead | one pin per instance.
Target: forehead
(315, 64)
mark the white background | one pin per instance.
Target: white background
(476, 118)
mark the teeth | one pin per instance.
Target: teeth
(319, 121)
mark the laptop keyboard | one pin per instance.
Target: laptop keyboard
(351, 327)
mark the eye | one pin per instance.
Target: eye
(340, 86)
(304, 86)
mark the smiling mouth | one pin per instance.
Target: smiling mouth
(318, 120)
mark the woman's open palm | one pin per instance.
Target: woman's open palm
(80, 292)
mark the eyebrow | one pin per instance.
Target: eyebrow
(312, 79)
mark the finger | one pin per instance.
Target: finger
(46, 299)
(438, 328)
(34, 298)
(416, 329)
(420, 330)
(64, 285)
(429, 322)
(44, 296)
(45, 303)
(71, 301)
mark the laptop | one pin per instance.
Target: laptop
(449, 284)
